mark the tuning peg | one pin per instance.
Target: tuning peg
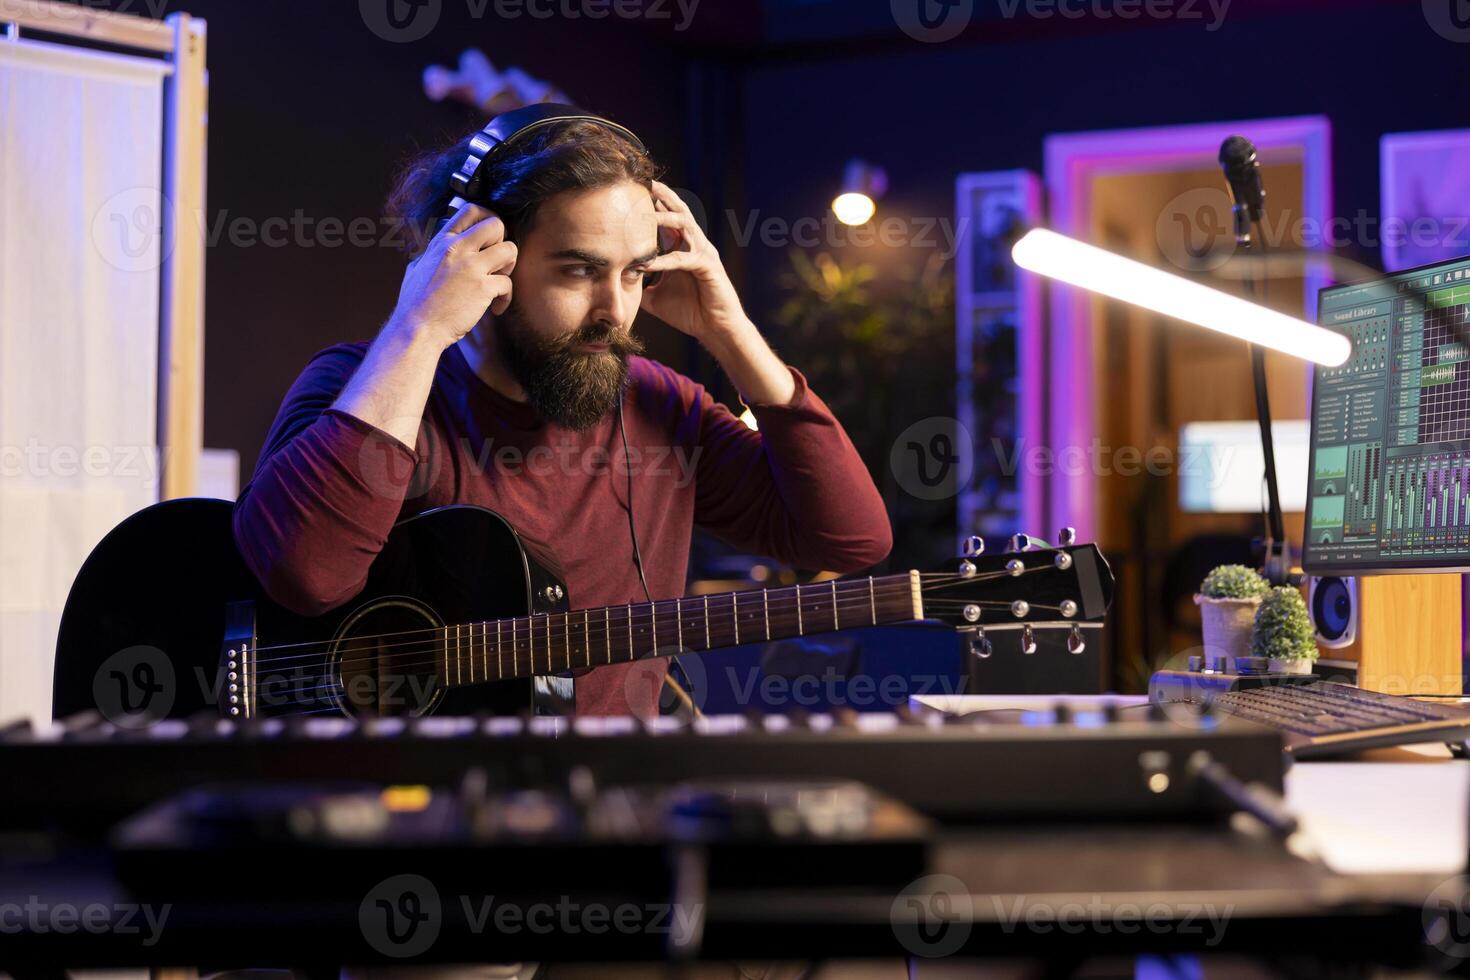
(980, 645)
(973, 546)
(1023, 542)
(1067, 537)
(1028, 641)
(1075, 643)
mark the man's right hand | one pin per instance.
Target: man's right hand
(464, 270)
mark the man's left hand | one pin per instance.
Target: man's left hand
(695, 294)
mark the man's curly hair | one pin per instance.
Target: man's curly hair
(576, 155)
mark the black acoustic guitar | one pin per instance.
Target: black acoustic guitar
(459, 613)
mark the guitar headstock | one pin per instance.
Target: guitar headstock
(1030, 585)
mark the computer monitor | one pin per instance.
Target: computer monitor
(1389, 475)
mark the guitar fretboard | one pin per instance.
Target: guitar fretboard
(551, 643)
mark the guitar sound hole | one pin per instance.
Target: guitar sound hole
(387, 659)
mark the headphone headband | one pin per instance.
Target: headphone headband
(508, 127)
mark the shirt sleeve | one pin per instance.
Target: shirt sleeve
(795, 490)
(327, 489)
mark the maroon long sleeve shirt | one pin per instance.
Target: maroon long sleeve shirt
(329, 487)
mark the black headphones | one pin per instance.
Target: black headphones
(504, 130)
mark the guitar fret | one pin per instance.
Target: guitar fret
(472, 640)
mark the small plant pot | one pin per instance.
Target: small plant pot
(1298, 665)
(1227, 628)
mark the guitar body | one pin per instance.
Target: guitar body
(148, 618)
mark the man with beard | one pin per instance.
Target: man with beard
(498, 381)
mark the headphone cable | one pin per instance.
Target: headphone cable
(679, 691)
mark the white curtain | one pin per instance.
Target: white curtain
(80, 174)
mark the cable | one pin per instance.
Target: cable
(632, 528)
(684, 696)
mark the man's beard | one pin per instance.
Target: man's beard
(571, 388)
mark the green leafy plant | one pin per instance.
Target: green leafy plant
(877, 342)
(1234, 582)
(1283, 629)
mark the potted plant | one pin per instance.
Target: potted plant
(1283, 632)
(1227, 600)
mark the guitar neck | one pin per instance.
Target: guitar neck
(553, 643)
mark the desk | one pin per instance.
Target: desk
(1396, 811)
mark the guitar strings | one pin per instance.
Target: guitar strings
(461, 657)
(464, 636)
(879, 581)
(328, 687)
(857, 589)
(329, 681)
(896, 586)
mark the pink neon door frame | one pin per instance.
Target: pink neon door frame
(1072, 161)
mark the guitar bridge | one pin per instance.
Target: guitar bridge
(236, 686)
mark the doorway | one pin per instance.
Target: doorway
(1124, 381)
